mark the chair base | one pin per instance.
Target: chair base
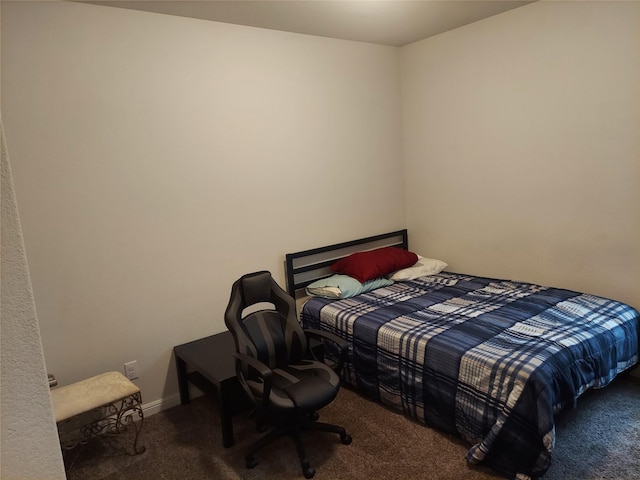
(294, 430)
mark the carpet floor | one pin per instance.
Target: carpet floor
(600, 439)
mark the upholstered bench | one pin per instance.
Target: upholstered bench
(106, 403)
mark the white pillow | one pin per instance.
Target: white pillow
(422, 268)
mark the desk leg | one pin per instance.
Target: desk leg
(226, 416)
(183, 384)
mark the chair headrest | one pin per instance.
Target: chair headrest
(256, 288)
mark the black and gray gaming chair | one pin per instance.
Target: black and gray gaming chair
(276, 367)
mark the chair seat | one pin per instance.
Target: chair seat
(308, 385)
(308, 394)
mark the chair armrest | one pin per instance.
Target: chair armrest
(339, 342)
(262, 370)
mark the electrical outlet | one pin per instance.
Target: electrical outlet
(131, 369)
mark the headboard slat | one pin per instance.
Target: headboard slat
(307, 266)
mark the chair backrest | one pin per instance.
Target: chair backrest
(272, 333)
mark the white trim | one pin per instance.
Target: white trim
(161, 404)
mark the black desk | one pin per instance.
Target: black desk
(208, 364)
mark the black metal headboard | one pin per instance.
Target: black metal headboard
(307, 266)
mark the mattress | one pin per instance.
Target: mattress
(487, 359)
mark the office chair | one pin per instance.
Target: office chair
(284, 378)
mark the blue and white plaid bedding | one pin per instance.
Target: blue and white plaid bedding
(490, 360)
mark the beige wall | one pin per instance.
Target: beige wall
(522, 150)
(156, 159)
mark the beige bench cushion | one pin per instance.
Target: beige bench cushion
(94, 392)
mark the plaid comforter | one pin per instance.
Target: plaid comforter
(490, 360)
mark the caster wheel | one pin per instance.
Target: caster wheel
(251, 462)
(346, 439)
(308, 472)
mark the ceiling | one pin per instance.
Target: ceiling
(386, 22)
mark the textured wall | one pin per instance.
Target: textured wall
(29, 442)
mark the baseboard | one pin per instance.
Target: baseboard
(161, 404)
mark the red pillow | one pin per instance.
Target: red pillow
(376, 263)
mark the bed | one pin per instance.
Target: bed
(487, 359)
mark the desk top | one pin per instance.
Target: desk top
(211, 356)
